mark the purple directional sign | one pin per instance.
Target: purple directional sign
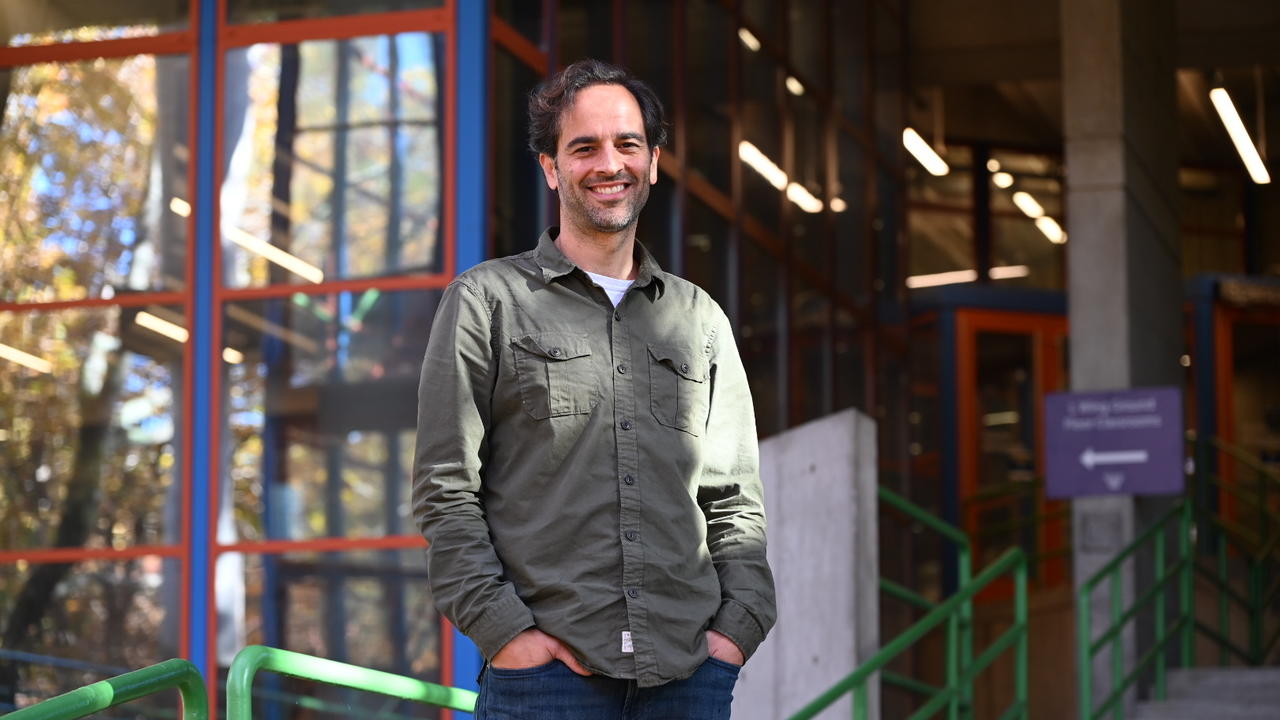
(1126, 442)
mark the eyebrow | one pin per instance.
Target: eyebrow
(591, 139)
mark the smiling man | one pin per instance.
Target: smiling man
(586, 471)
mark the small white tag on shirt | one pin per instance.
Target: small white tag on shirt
(627, 647)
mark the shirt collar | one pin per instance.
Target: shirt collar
(554, 264)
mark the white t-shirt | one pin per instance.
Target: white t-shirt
(614, 287)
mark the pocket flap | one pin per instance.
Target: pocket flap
(555, 345)
(690, 366)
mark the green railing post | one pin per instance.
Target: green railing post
(1020, 656)
(1224, 612)
(87, 700)
(250, 660)
(953, 666)
(1117, 645)
(1186, 552)
(1084, 658)
(1160, 626)
(965, 568)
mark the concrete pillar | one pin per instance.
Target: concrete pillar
(1123, 253)
(820, 500)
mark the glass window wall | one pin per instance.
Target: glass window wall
(23, 22)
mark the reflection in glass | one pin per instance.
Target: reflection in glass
(334, 155)
(1256, 392)
(810, 337)
(1024, 187)
(72, 229)
(707, 107)
(849, 203)
(71, 624)
(1211, 213)
(807, 220)
(659, 223)
(254, 11)
(320, 409)
(850, 346)
(941, 241)
(649, 28)
(759, 334)
(585, 30)
(524, 16)
(519, 189)
(706, 251)
(23, 22)
(807, 21)
(762, 128)
(849, 20)
(367, 608)
(90, 407)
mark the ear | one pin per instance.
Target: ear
(548, 164)
(653, 166)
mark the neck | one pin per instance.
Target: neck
(608, 254)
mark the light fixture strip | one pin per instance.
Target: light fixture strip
(292, 263)
(923, 153)
(164, 327)
(25, 359)
(1239, 135)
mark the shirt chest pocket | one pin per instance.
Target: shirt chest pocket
(553, 370)
(678, 388)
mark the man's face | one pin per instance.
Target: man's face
(603, 165)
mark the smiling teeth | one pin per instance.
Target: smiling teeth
(609, 190)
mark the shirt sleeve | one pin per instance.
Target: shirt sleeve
(463, 570)
(732, 500)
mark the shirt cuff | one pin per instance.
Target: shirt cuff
(498, 624)
(736, 622)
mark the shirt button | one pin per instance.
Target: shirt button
(556, 352)
(633, 593)
(629, 479)
(632, 535)
(617, 315)
(622, 369)
(627, 424)
(684, 368)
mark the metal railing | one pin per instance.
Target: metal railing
(1088, 647)
(254, 658)
(960, 675)
(104, 694)
(964, 565)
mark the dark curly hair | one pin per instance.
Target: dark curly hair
(555, 95)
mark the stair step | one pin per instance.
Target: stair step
(1249, 685)
(1206, 710)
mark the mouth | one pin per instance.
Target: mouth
(610, 190)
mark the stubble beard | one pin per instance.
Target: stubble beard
(588, 216)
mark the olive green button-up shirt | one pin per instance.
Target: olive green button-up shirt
(590, 471)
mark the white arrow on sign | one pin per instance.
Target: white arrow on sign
(1089, 458)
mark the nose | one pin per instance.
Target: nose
(611, 161)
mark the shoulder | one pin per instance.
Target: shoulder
(691, 298)
(493, 279)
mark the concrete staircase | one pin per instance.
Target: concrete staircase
(1218, 694)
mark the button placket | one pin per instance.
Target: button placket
(629, 506)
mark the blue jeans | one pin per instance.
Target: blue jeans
(554, 692)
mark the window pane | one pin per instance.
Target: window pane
(762, 174)
(78, 623)
(90, 407)
(810, 367)
(850, 361)
(649, 28)
(706, 251)
(1025, 252)
(23, 22)
(1024, 257)
(764, 19)
(524, 16)
(808, 226)
(759, 335)
(518, 185)
(586, 30)
(658, 229)
(852, 271)
(320, 407)
(849, 19)
(707, 104)
(1211, 210)
(72, 229)
(334, 156)
(368, 608)
(808, 46)
(251, 11)
(940, 241)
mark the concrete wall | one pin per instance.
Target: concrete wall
(820, 496)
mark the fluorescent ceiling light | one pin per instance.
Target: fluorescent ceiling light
(1002, 180)
(232, 356)
(797, 194)
(839, 205)
(1008, 272)
(943, 278)
(292, 263)
(761, 163)
(180, 207)
(1239, 136)
(25, 359)
(993, 165)
(162, 326)
(748, 39)
(1028, 204)
(926, 155)
(794, 86)
(1051, 229)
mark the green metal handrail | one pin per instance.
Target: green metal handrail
(964, 570)
(959, 679)
(1183, 626)
(104, 694)
(250, 660)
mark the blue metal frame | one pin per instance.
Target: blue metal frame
(202, 341)
(471, 198)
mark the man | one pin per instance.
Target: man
(586, 471)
